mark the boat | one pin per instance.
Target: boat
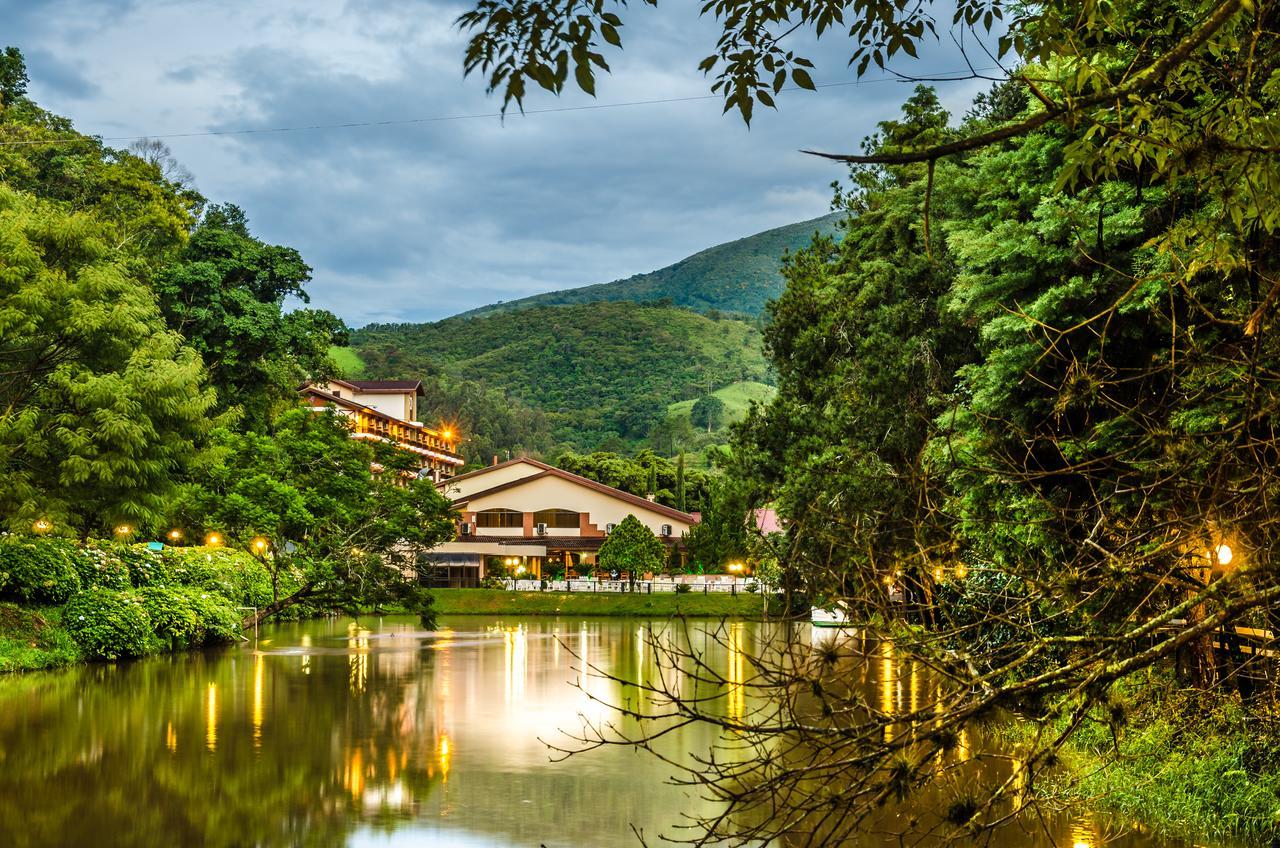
(833, 615)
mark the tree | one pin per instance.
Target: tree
(347, 518)
(680, 482)
(724, 532)
(1026, 439)
(226, 294)
(632, 548)
(100, 405)
(13, 76)
(708, 411)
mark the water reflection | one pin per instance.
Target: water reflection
(335, 733)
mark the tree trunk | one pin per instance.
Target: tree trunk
(278, 605)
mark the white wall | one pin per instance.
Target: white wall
(557, 493)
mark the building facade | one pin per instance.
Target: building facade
(387, 411)
(540, 518)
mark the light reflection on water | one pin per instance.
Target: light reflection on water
(336, 733)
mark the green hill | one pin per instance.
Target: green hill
(598, 372)
(737, 398)
(738, 276)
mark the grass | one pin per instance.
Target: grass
(33, 639)
(348, 361)
(1188, 764)
(662, 605)
(736, 397)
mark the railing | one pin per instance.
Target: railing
(648, 587)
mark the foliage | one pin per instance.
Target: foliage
(596, 371)
(724, 534)
(100, 403)
(34, 572)
(640, 475)
(184, 617)
(633, 549)
(707, 411)
(97, 564)
(108, 625)
(30, 641)
(739, 277)
(225, 292)
(331, 530)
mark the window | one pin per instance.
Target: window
(499, 518)
(562, 519)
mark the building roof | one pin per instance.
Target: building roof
(552, 471)
(374, 387)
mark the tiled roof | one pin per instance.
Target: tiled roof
(551, 470)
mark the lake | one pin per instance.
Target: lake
(337, 733)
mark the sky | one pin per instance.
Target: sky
(415, 222)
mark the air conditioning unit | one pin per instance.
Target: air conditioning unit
(609, 528)
(465, 528)
(666, 529)
(542, 529)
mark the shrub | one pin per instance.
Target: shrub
(683, 588)
(36, 571)
(146, 567)
(752, 587)
(100, 567)
(185, 616)
(234, 574)
(108, 625)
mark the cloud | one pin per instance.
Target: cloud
(421, 220)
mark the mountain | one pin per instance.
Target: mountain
(738, 276)
(599, 373)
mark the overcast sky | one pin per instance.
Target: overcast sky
(420, 221)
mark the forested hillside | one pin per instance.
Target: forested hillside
(738, 276)
(603, 374)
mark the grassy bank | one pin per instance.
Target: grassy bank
(32, 639)
(503, 602)
(1186, 764)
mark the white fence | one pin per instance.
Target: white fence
(644, 586)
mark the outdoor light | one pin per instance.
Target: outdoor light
(42, 525)
(938, 574)
(123, 530)
(259, 544)
(1224, 554)
(446, 433)
(175, 535)
(213, 540)
(961, 571)
(520, 570)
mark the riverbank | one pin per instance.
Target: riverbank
(63, 603)
(622, 604)
(1183, 763)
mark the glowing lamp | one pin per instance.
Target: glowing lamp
(42, 525)
(175, 535)
(961, 571)
(213, 540)
(123, 530)
(1224, 554)
(446, 433)
(259, 544)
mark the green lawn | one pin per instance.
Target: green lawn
(661, 605)
(737, 398)
(348, 360)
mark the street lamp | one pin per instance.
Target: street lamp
(175, 535)
(213, 540)
(42, 525)
(259, 545)
(123, 530)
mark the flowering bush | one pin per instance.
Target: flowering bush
(185, 616)
(108, 625)
(97, 566)
(36, 571)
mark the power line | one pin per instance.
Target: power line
(946, 77)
